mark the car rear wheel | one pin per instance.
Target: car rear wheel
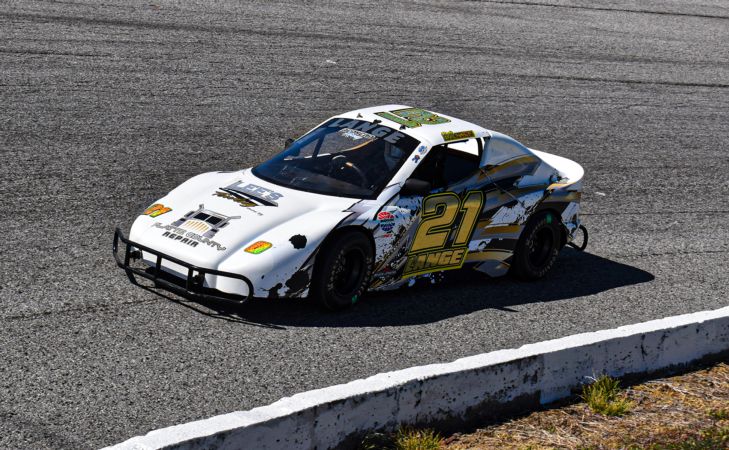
(538, 247)
(343, 270)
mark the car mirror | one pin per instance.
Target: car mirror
(415, 187)
(288, 143)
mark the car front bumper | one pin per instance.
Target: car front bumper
(191, 286)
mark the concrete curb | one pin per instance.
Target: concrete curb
(455, 394)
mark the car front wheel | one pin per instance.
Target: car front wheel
(343, 270)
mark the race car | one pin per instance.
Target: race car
(373, 199)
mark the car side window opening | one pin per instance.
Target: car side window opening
(446, 164)
(500, 150)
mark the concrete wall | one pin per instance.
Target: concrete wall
(455, 394)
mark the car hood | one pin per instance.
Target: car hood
(214, 215)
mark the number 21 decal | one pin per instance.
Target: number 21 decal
(413, 117)
(431, 249)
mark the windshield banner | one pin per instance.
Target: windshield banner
(380, 131)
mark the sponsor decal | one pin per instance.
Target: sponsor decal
(204, 221)
(457, 135)
(186, 237)
(258, 247)
(252, 193)
(379, 131)
(356, 135)
(244, 202)
(416, 158)
(422, 149)
(413, 117)
(156, 210)
(436, 260)
(441, 239)
(387, 221)
(197, 227)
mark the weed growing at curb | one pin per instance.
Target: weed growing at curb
(403, 439)
(602, 396)
(411, 439)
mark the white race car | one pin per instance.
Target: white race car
(373, 199)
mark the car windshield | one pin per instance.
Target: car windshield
(342, 157)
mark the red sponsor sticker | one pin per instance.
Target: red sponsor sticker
(384, 215)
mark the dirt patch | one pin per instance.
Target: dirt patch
(674, 412)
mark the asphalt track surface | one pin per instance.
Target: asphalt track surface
(104, 107)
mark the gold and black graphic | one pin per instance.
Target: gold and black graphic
(437, 245)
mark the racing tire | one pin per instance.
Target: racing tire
(538, 247)
(343, 270)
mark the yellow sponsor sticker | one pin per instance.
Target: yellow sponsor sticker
(457, 135)
(258, 247)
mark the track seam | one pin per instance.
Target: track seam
(591, 8)
(701, 252)
(651, 213)
(609, 80)
(83, 310)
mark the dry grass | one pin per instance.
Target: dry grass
(685, 412)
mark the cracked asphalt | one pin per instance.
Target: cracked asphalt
(105, 106)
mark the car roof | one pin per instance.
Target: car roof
(430, 133)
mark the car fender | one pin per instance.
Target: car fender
(285, 269)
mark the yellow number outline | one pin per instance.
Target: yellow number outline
(436, 210)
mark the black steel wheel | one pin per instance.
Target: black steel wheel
(538, 247)
(343, 270)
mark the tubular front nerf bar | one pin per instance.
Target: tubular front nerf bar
(192, 286)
